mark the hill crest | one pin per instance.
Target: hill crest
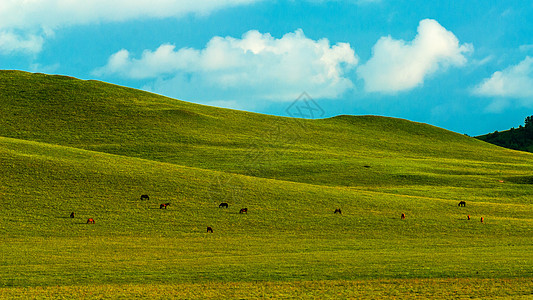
(102, 117)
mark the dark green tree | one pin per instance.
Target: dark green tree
(528, 122)
(528, 126)
(520, 138)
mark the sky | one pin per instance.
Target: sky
(466, 66)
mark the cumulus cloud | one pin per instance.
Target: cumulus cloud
(397, 65)
(255, 66)
(514, 82)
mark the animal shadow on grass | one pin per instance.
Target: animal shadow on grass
(83, 223)
(465, 219)
(158, 208)
(68, 217)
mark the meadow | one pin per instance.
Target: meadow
(68, 145)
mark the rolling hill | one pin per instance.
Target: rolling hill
(101, 117)
(93, 148)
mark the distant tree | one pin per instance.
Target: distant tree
(528, 122)
(520, 138)
(528, 125)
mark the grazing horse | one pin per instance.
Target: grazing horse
(223, 204)
(243, 210)
(468, 217)
(403, 216)
(145, 197)
(482, 219)
(90, 221)
(72, 215)
(209, 229)
(338, 210)
(164, 205)
(462, 203)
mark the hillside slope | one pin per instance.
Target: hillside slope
(344, 150)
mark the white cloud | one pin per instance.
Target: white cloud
(58, 13)
(37, 19)
(514, 82)
(397, 65)
(483, 61)
(11, 42)
(256, 66)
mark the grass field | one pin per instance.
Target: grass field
(91, 148)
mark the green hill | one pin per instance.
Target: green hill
(93, 148)
(101, 117)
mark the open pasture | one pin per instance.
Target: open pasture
(290, 174)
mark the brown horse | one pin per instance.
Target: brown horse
(468, 217)
(209, 229)
(164, 205)
(90, 221)
(482, 219)
(403, 217)
(338, 210)
(72, 215)
(243, 210)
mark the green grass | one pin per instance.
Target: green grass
(93, 148)
(330, 289)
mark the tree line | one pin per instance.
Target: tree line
(520, 138)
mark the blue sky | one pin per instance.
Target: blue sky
(466, 66)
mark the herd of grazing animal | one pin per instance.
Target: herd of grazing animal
(245, 210)
(461, 204)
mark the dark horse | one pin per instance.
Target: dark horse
(72, 215)
(145, 197)
(243, 210)
(90, 221)
(338, 210)
(209, 229)
(462, 203)
(164, 205)
(223, 204)
(403, 217)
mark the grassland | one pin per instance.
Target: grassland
(93, 148)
